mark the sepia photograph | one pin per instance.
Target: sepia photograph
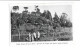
(33, 23)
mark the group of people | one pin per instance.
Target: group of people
(33, 36)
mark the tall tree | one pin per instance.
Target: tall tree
(64, 22)
(15, 8)
(56, 18)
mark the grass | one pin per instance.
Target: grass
(60, 34)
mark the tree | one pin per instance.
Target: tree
(25, 14)
(56, 21)
(47, 14)
(37, 9)
(68, 23)
(64, 22)
(15, 8)
(56, 18)
(25, 8)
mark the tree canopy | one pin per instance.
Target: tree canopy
(38, 21)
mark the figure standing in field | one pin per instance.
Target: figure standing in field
(30, 37)
(36, 36)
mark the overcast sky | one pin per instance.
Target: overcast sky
(59, 9)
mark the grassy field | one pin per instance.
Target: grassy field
(63, 34)
(59, 34)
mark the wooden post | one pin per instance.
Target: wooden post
(19, 33)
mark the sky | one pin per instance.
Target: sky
(59, 9)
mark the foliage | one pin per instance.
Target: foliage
(37, 21)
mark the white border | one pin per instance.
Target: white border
(40, 3)
(5, 29)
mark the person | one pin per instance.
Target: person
(38, 36)
(29, 37)
(34, 35)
